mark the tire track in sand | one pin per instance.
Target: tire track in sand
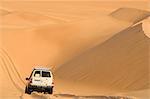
(3, 63)
(7, 64)
(12, 65)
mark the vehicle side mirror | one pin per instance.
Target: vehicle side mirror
(27, 78)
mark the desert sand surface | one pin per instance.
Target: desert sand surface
(96, 49)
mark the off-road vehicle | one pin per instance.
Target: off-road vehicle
(40, 80)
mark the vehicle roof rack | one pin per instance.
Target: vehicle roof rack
(41, 68)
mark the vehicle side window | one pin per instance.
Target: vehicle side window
(37, 72)
(46, 74)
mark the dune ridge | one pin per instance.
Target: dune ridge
(4, 12)
(100, 69)
(120, 64)
(130, 14)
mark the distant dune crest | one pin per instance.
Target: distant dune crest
(3, 12)
(130, 14)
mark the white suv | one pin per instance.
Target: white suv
(40, 80)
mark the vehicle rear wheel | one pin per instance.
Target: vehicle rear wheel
(50, 90)
(27, 91)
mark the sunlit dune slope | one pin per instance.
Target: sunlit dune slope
(24, 19)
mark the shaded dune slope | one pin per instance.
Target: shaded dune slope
(118, 64)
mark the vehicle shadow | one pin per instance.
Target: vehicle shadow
(35, 95)
(71, 96)
(40, 96)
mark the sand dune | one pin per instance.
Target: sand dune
(99, 61)
(93, 53)
(119, 64)
(69, 39)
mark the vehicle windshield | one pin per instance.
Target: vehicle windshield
(46, 74)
